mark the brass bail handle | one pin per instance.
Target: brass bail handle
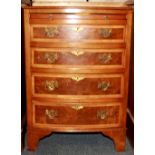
(51, 57)
(51, 114)
(102, 114)
(51, 85)
(105, 58)
(104, 85)
(105, 17)
(105, 32)
(51, 31)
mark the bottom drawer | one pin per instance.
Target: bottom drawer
(107, 115)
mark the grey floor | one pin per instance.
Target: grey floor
(77, 144)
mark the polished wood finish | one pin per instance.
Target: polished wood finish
(77, 70)
(50, 16)
(105, 115)
(130, 110)
(81, 85)
(76, 33)
(78, 21)
(76, 56)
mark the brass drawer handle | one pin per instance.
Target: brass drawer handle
(77, 52)
(51, 57)
(77, 78)
(104, 85)
(77, 107)
(51, 31)
(77, 29)
(105, 58)
(51, 113)
(102, 114)
(105, 33)
(50, 16)
(51, 85)
(105, 17)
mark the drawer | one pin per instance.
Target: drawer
(110, 85)
(107, 115)
(74, 33)
(57, 57)
(95, 19)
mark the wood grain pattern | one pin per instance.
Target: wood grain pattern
(87, 86)
(128, 50)
(86, 33)
(101, 19)
(91, 44)
(77, 21)
(54, 16)
(58, 80)
(88, 115)
(27, 66)
(76, 56)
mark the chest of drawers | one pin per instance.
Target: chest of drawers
(77, 68)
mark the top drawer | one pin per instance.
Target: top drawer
(96, 19)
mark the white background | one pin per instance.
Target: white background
(10, 77)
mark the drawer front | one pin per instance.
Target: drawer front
(90, 57)
(85, 33)
(82, 84)
(49, 18)
(77, 114)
